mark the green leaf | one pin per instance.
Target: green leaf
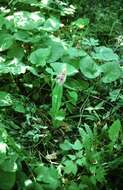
(23, 36)
(6, 41)
(28, 20)
(77, 85)
(3, 150)
(105, 54)
(5, 99)
(18, 106)
(1, 21)
(16, 51)
(48, 175)
(111, 72)
(14, 67)
(51, 25)
(114, 130)
(56, 98)
(89, 68)
(81, 161)
(40, 56)
(81, 22)
(73, 96)
(7, 180)
(77, 145)
(100, 174)
(66, 145)
(74, 52)
(70, 167)
(3, 133)
(58, 48)
(58, 67)
(87, 139)
(114, 94)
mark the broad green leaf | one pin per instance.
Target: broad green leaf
(14, 67)
(111, 72)
(28, 20)
(77, 145)
(7, 180)
(23, 36)
(5, 99)
(47, 175)
(74, 52)
(105, 54)
(40, 56)
(6, 41)
(58, 48)
(58, 67)
(70, 167)
(114, 130)
(66, 145)
(16, 51)
(51, 25)
(89, 68)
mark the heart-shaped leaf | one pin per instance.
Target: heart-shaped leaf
(89, 68)
(112, 72)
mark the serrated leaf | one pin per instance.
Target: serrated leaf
(77, 145)
(89, 68)
(70, 167)
(114, 130)
(81, 161)
(66, 145)
(47, 175)
(105, 54)
(100, 174)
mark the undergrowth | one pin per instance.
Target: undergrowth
(61, 95)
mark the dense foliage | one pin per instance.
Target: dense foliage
(61, 95)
